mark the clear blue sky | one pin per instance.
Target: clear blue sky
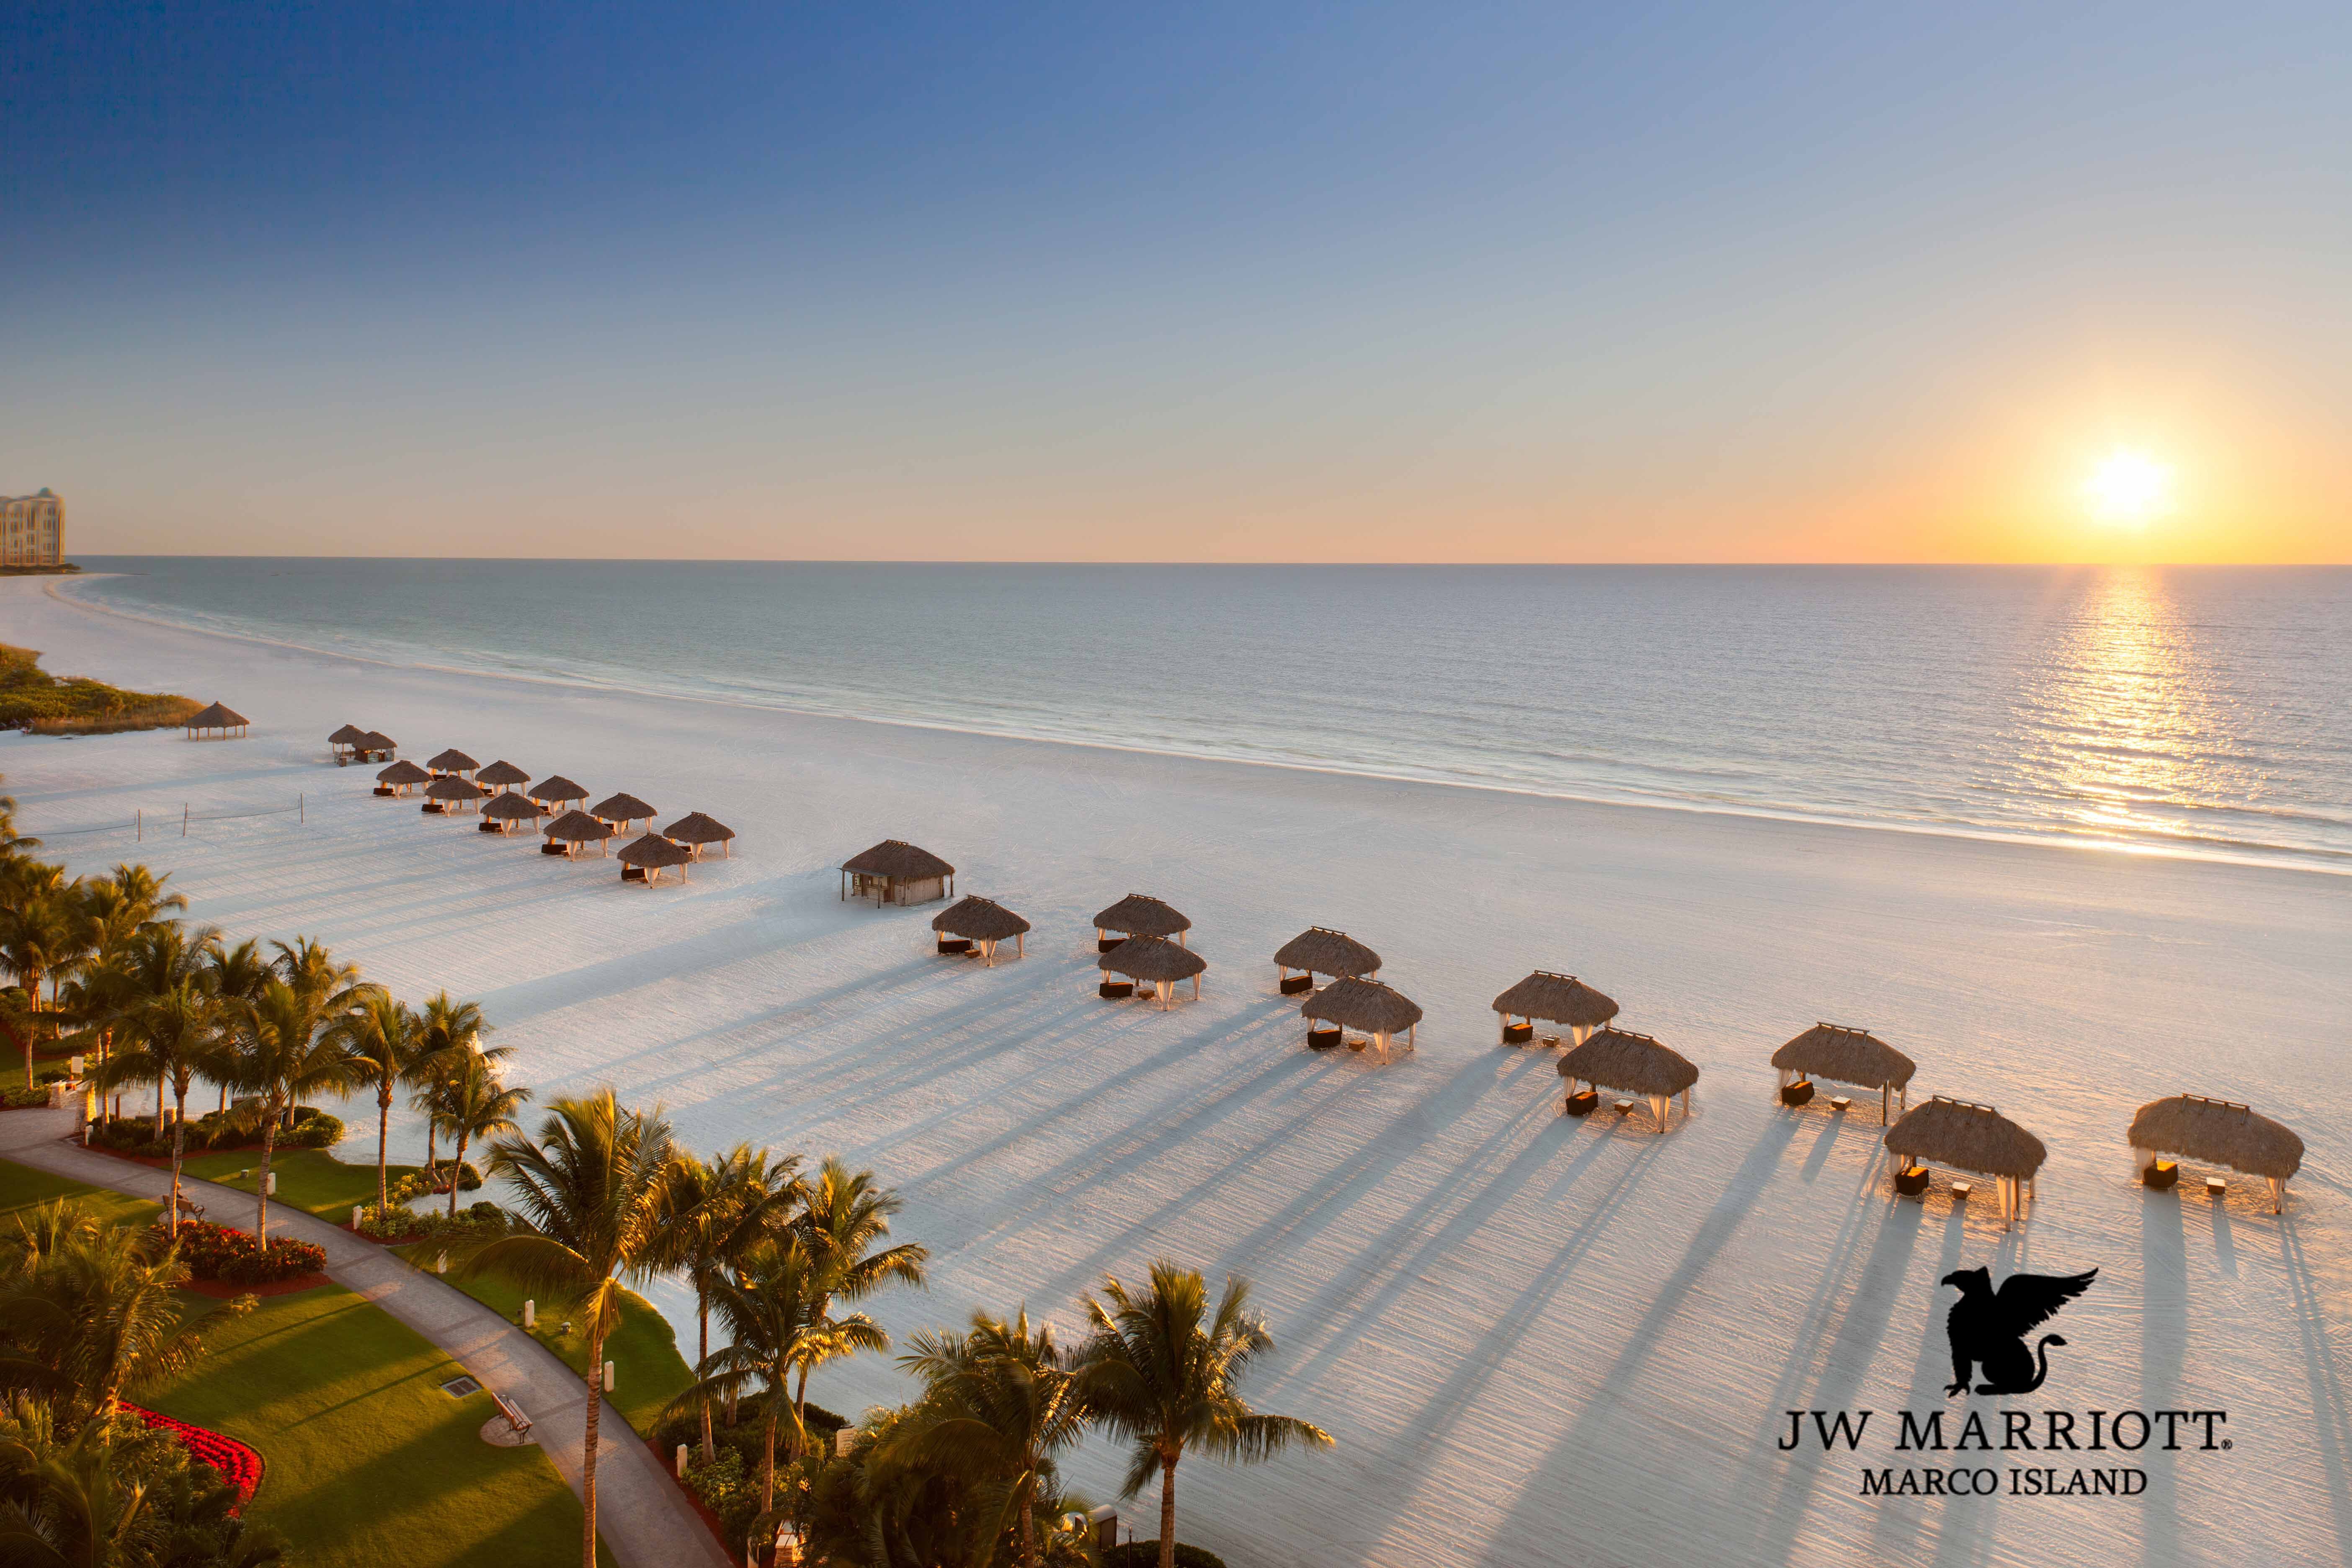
(1271, 281)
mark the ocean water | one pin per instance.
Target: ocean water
(2185, 711)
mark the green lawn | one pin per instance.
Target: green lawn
(647, 1371)
(368, 1461)
(312, 1180)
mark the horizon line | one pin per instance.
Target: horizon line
(1399, 566)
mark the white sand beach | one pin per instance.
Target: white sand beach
(1537, 1340)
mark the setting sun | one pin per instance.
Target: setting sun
(2129, 487)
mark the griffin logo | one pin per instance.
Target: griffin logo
(1987, 1328)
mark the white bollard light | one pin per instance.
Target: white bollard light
(608, 1377)
(441, 1264)
(681, 1461)
(530, 1314)
(273, 1184)
(359, 1216)
(76, 1065)
(842, 1436)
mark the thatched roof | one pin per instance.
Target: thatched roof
(1151, 958)
(453, 761)
(1322, 950)
(349, 735)
(502, 771)
(622, 807)
(401, 773)
(652, 849)
(1140, 914)
(1619, 1059)
(1357, 1003)
(449, 786)
(694, 827)
(899, 860)
(2217, 1132)
(1558, 998)
(557, 790)
(1972, 1137)
(1846, 1056)
(580, 827)
(983, 919)
(513, 806)
(219, 715)
(377, 741)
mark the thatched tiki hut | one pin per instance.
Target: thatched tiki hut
(217, 720)
(1352, 1001)
(345, 743)
(450, 794)
(1153, 960)
(2217, 1132)
(1971, 1137)
(502, 775)
(974, 921)
(558, 791)
(376, 746)
(567, 833)
(1139, 914)
(620, 810)
(696, 832)
(453, 761)
(1637, 1064)
(896, 872)
(1320, 950)
(644, 860)
(1840, 1055)
(399, 778)
(507, 811)
(1556, 999)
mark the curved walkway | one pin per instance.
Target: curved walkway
(643, 1517)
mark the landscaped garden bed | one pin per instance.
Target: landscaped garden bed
(238, 1464)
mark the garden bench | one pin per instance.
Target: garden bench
(516, 1422)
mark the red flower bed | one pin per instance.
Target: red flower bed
(217, 1252)
(238, 1465)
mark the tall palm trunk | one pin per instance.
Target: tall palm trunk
(768, 1456)
(179, 1146)
(588, 1451)
(702, 1323)
(383, 1137)
(261, 1213)
(457, 1169)
(1168, 1511)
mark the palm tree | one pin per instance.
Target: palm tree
(238, 975)
(169, 1039)
(281, 1047)
(772, 1305)
(843, 1215)
(306, 963)
(474, 1105)
(156, 960)
(385, 1042)
(712, 1212)
(999, 1403)
(1159, 1376)
(38, 935)
(589, 1190)
(451, 1026)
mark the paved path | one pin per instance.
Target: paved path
(644, 1519)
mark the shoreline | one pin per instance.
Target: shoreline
(2316, 862)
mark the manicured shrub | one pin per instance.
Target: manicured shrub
(217, 1252)
(26, 1099)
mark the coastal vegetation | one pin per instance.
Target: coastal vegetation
(32, 698)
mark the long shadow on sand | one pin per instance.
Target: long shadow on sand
(2331, 1408)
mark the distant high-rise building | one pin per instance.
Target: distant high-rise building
(32, 529)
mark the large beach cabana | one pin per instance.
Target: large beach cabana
(620, 810)
(345, 743)
(399, 778)
(644, 860)
(507, 811)
(558, 791)
(1320, 950)
(1153, 961)
(1556, 999)
(974, 921)
(1351, 1002)
(2214, 1133)
(502, 775)
(1840, 1055)
(1140, 914)
(216, 721)
(376, 746)
(567, 833)
(1611, 1057)
(453, 761)
(697, 832)
(896, 872)
(450, 794)
(1968, 1137)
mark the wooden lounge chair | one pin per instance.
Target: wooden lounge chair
(1517, 1034)
(633, 873)
(955, 944)
(1112, 990)
(1323, 1039)
(1292, 985)
(1911, 1181)
(1798, 1093)
(1582, 1104)
(2161, 1176)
